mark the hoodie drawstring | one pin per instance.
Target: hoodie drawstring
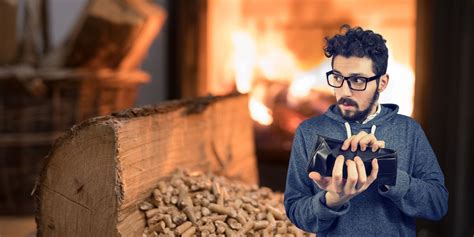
(348, 129)
(349, 132)
(372, 130)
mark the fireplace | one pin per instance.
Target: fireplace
(273, 50)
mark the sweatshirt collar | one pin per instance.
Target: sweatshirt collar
(372, 116)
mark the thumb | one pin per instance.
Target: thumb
(319, 180)
(315, 176)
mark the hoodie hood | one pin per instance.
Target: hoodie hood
(388, 112)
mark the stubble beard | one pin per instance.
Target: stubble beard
(357, 116)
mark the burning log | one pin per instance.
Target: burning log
(287, 112)
(229, 218)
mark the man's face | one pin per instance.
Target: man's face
(355, 105)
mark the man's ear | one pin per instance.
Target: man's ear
(383, 82)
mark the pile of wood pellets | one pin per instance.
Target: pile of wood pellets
(198, 204)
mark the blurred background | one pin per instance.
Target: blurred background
(63, 61)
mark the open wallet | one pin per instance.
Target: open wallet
(326, 150)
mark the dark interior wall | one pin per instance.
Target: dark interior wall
(443, 97)
(187, 44)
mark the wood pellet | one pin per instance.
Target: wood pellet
(198, 204)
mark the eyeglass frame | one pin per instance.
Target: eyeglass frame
(367, 80)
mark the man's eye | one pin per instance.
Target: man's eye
(358, 80)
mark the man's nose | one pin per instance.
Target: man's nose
(346, 90)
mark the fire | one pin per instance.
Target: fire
(300, 88)
(244, 60)
(259, 112)
(275, 61)
(264, 57)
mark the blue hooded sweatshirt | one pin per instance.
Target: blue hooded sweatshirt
(419, 191)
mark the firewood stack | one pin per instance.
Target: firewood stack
(113, 34)
(110, 34)
(198, 204)
(43, 91)
(8, 39)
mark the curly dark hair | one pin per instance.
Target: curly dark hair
(359, 43)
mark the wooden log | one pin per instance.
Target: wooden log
(95, 176)
(113, 34)
(8, 39)
(155, 17)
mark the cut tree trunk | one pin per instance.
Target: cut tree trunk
(96, 175)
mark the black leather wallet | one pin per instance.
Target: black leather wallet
(327, 149)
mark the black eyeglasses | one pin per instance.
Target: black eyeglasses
(357, 83)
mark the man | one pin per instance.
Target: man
(358, 205)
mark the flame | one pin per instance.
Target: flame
(244, 60)
(259, 112)
(301, 86)
(265, 57)
(266, 54)
(275, 61)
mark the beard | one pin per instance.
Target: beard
(357, 115)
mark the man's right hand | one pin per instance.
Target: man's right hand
(339, 190)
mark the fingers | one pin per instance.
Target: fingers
(374, 173)
(363, 140)
(318, 179)
(367, 140)
(337, 174)
(356, 140)
(347, 143)
(321, 181)
(356, 181)
(362, 179)
(353, 141)
(352, 178)
(377, 145)
(315, 176)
